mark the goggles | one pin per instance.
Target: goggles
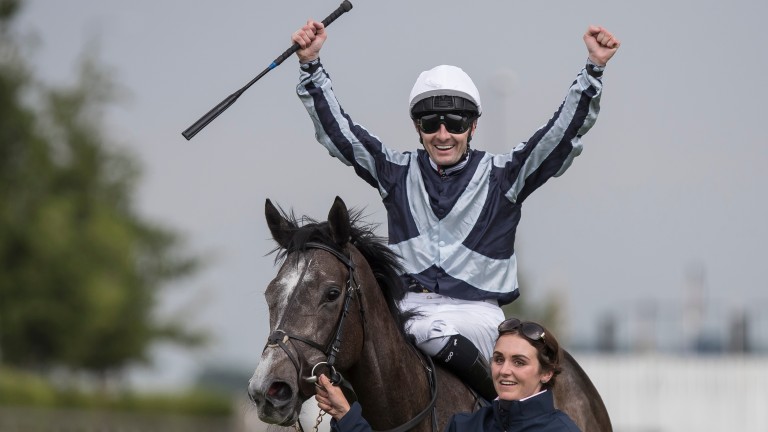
(528, 329)
(454, 123)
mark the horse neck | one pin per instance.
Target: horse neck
(390, 379)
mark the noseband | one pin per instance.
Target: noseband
(280, 338)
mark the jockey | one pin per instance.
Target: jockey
(453, 210)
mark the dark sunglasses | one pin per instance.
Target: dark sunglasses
(528, 329)
(454, 123)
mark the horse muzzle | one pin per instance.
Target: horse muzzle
(276, 403)
(275, 390)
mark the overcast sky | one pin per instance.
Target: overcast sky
(672, 177)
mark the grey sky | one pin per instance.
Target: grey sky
(672, 175)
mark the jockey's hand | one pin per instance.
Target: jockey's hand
(330, 398)
(601, 44)
(310, 39)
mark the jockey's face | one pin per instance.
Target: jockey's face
(443, 147)
(515, 368)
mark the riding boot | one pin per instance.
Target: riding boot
(463, 358)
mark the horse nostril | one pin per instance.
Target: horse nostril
(279, 391)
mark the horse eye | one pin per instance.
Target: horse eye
(333, 294)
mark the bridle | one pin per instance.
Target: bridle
(280, 338)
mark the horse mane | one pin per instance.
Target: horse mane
(384, 262)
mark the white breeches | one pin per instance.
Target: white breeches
(442, 317)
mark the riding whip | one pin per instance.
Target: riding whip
(223, 105)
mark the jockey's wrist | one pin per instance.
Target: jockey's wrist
(594, 69)
(310, 65)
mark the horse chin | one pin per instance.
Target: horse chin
(279, 416)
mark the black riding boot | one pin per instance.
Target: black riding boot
(463, 358)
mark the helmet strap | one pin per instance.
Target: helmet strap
(471, 131)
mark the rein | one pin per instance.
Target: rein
(280, 338)
(410, 424)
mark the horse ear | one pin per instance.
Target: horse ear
(338, 222)
(279, 226)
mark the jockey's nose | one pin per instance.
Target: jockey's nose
(443, 133)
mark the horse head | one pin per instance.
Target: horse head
(314, 309)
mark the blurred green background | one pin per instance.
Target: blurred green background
(80, 269)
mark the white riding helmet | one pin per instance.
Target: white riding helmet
(444, 80)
